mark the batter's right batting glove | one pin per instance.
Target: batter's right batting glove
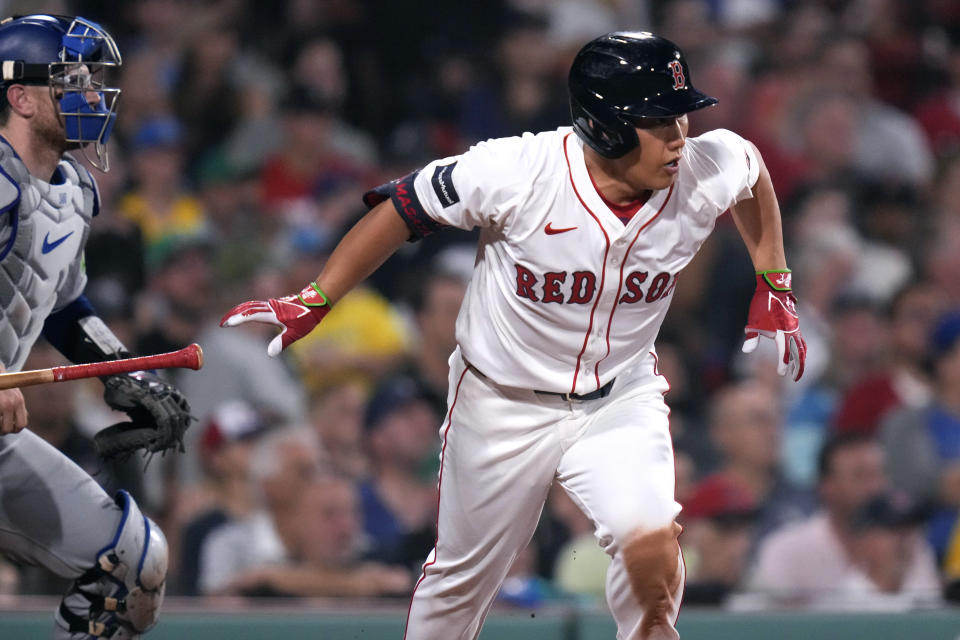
(295, 314)
(773, 314)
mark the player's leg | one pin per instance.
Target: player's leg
(630, 498)
(54, 514)
(499, 457)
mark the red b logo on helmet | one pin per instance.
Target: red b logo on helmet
(679, 82)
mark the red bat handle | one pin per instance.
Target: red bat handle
(189, 358)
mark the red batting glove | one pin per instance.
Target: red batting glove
(297, 314)
(773, 314)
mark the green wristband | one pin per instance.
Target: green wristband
(783, 283)
(313, 285)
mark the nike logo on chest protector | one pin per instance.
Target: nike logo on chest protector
(49, 246)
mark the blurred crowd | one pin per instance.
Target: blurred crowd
(246, 135)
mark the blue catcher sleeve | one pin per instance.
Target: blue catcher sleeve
(81, 336)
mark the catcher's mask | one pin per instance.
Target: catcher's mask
(71, 56)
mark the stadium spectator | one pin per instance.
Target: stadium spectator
(337, 417)
(399, 499)
(923, 444)
(326, 549)
(822, 562)
(903, 381)
(308, 179)
(226, 445)
(746, 429)
(890, 146)
(159, 202)
(435, 303)
(939, 114)
(897, 569)
(718, 519)
(282, 464)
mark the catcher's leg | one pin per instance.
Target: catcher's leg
(629, 497)
(54, 514)
(120, 596)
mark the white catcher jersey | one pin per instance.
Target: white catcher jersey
(43, 230)
(564, 295)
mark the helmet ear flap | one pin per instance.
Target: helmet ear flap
(611, 137)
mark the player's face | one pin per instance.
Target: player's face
(47, 126)
(655, 162)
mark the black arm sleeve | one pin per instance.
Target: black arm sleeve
(81, 336)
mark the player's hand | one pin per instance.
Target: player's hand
(13, 412)
(773, 314)
(295, 314)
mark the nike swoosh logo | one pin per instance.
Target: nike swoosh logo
(50, 246)
(550, 231)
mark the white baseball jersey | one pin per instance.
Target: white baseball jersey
(564, 295)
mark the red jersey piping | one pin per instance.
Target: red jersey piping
(623, 263)
(603, 271)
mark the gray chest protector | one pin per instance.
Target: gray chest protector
(43, 230)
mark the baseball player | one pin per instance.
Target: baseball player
(53, 98)
(584, 231)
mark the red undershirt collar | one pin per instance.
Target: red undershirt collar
(623, 211)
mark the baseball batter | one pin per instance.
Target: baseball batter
(584, 233)
(51, 512)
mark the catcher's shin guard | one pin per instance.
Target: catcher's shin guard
(120, 596)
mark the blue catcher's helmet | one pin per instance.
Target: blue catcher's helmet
(622, 77)
(70, 55)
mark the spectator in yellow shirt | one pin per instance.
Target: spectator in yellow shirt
(159, 203)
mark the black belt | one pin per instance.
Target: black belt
(602, 392)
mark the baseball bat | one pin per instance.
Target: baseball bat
(189, 358)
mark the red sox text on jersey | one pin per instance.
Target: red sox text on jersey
(552, 286)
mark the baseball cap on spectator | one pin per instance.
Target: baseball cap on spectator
(155, 133)
(889, 510)
(231, 421)
(946, 333)
(722, 499)
(389, 396)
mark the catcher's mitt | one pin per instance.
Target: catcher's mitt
(159, 416)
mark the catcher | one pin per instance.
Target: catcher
(52, 99)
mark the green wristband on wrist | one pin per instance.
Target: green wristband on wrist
(778, 279)
(310, 292)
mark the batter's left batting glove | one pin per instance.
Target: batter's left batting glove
(773, 314)
(295, 314)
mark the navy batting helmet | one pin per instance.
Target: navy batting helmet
(70, 55)
(622, 77)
